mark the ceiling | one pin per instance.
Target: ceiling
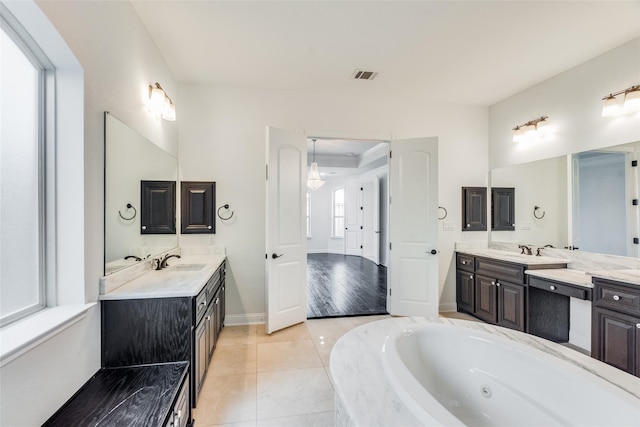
(460, 52)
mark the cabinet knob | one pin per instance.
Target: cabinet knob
(616, 298)
(209, 227)
(638, 325)
(144, 227)
(468, 225)
(497, 283)
(493, 283)
(553, 288)
(464, 262)
(471, 277)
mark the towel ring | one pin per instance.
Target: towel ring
(535, 208)
(220, 216)
(445, 213)
(129, 206)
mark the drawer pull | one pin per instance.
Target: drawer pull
(616, 298)
(638, 325)
(493, 283)
(471, 277)
(464, 262)
(553, 288)
(497, 283)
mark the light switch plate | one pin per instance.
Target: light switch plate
(447, 226)
(526, 225)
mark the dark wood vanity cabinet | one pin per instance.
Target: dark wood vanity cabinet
(474, 208)
(162, 330)
(198, 200)
(615, 327)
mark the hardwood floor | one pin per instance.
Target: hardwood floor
(344, 285)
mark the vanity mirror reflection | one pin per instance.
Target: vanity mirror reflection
(129, 159)
(584, 201)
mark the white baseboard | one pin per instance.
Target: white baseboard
(448, 307)
(324, 251)
(244, 319)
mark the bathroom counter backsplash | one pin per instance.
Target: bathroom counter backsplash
(513, 257)
(142, 281)
(359, 354)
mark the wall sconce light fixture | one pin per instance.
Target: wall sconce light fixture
(536, 127)
(160, 103)
(611, 105)
(314, 181)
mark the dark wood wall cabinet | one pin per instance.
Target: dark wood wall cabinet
(198, 201)
(158, 207)
(137, 396)
(615, 327)
(493, 290)
(474, 208)
(162, 330)
(503, 211)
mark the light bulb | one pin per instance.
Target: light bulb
(170, 113)
(610, 106)
(518, 134)
(632, 99)
(156, 100)
(543, 128)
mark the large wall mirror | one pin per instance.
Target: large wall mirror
(586, 203)
(129, 159)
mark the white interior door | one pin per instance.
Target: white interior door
(353, 219)
(286, 240)
(413, 268)
(371, 220)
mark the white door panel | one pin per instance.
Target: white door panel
(413, 178)
(371, 220)
(353, 219)
(286, 242)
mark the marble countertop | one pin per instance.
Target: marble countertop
(513, 257)
(360, 383)
(627, 276)
(565, 275)
(177, 280)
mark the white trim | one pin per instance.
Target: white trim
(244, 319)
(20, 337)
(447, 307)
(325, 251)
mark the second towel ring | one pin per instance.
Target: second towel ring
(135, 212)
(535, 208)
(227, 208)
(445, 213)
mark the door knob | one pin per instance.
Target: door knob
(433, 252)
(276, 256)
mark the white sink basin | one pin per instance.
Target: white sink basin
(188, 267)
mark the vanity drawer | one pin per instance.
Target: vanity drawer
(617, 297)
(513, 273)
(465, 262)
(559, 288)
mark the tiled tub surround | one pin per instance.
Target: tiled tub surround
(364, 395)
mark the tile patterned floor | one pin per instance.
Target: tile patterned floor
(282, 379)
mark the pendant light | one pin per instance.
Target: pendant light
(314, 181)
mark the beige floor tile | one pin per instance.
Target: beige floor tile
(237, 335)
(328, 329)
(363, 320)
(240, 424)
(324, 348)
(227, 399)
(234, 359)
(295, 392)
(280, 356)
(456, 315)
(297, 332)
(322, 419)
(327, 369)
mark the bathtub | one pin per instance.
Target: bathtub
(455, 376)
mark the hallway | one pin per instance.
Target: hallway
(342, 285)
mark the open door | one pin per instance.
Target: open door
(413, 211)
(286, 237)
(371, 220)
(353, 219)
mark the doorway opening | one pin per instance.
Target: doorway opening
(347, 229)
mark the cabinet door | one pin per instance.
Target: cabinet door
(486, 299)
(158, 207)
(474, 208)
(616, 339)
(200, 356)
(198, 200)
(465, 291)
(210, 320)
(511, 305)
(503, 211)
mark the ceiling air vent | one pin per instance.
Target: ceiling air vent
(364, 75)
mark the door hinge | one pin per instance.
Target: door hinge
(361, 228)
(389, 199)
(634, 163)
(360, 246)
(389, 291)
(636, 240)
(265, 256)
(389, 245)
(634, 202)
(361, 189)
(390, 154)
(361, 208)
(266, 170)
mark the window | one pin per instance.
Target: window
(338, 212)
(308, 224)
(25, 74)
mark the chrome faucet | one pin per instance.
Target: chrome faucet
(525, 248)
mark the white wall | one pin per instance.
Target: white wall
(573, 102)
(222, 138)
(119, 61)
